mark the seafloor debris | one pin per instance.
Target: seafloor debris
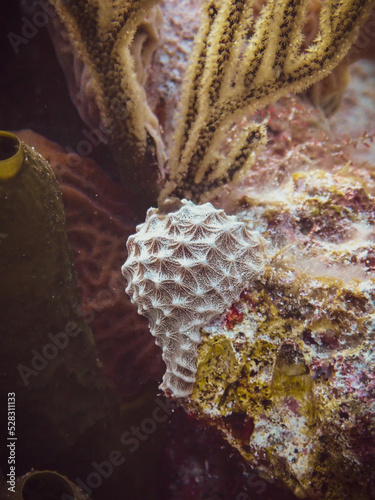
(292, 385)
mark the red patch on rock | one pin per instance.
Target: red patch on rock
(232, 318)
(329, 339)
(241, 427)
(292, 404)
(321, 368)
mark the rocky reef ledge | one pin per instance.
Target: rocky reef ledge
(288, 373)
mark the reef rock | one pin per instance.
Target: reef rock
(288, 372)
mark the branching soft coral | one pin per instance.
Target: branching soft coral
(245, 57)
(102, 32)
(240, 64)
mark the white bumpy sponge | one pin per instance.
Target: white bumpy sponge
(184, 267)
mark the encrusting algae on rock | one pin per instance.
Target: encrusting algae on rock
(288, 373)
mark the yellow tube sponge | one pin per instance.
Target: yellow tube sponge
(47, 353)
(11, 155)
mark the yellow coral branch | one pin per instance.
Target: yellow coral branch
(270, 63)
(102, 32)
(192, 81)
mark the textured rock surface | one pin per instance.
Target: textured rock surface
(288, 373)
(184, 267)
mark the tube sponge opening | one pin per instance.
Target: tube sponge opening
(11, 155)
